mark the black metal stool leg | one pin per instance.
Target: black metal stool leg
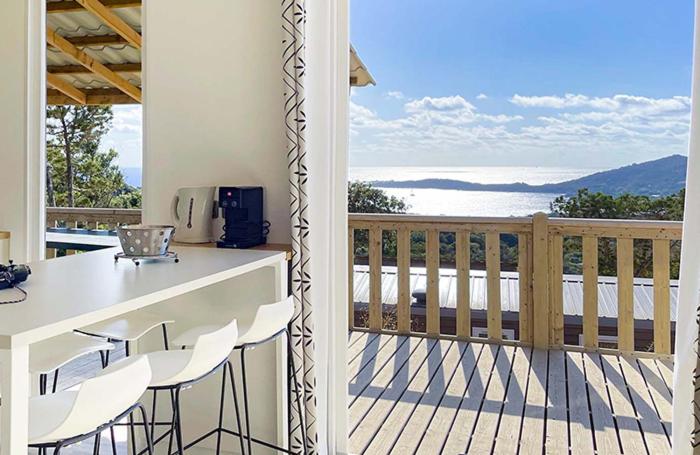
(235, 405)
(165, 337)
(293, 377)
(172, 426)
(55, 381)
(222, 402)
(96, 445)
(153, 413)
(245, 402)
(114, 440)
(178, 424)
(149, 435)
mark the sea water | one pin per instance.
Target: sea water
(425, 201)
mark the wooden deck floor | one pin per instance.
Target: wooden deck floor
(415, 395)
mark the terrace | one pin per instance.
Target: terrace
(496, 361)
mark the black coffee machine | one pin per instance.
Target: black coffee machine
(242, 211)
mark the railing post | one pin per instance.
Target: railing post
(540, 285)
(351, 277)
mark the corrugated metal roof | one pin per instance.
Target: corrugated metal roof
(82, 23)
(510, 291)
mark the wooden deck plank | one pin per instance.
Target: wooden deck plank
(508, 436)
(658, 390)
(532, 431)
(458, 435)
(358, 347)
(557, 438)
(353, 336)
(604, 430)
(437, 430)
(484, 433)
(654, 434)
(381, 372)
(411, 396)
(666, 369)
(622, 406)
(368, 411)
(374, 354)
(579, 413)
(413, 411)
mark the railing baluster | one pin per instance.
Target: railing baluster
(493, 285)
(625, 294)
(556, 290)
(540, 276)
(403, 263)
(375, 278)
(463, 292)
(661, 251)
(590, 292)
(525, 287)
(432, 263)
(351, 277)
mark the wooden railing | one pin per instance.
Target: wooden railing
(539, 266)
(91, 218)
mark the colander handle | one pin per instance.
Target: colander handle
(173, 209)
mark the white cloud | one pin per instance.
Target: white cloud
(481, 96)
(590, 131)
(448, 103)
(397, 95)
(615, 103)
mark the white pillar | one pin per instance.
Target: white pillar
(327, 105)
(689, 288)
(22, 95)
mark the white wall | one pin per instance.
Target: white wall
(22, 126)
(213, 104)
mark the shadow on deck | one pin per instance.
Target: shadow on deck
(417, 395)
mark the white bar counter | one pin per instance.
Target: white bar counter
(207, 285)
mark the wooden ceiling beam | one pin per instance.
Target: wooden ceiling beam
(97, 40)
(80, 69)
(66, 88)
(93, 65)
(107, 16)
(98, 97)
(67, 6)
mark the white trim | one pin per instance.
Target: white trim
(327, 108)
(689, 283)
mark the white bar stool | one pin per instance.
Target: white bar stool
(129, 328)
(270, 322)
(50, 355)
(59, 420)
(174, 370)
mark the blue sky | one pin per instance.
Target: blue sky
(586, 83)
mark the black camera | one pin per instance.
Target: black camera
(11, 275)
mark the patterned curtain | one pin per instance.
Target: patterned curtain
(293, 24)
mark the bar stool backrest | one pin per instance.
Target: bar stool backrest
(210, 350)
(269, 320)
(106, 396)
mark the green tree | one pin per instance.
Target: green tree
(78, 174)
(364, 198)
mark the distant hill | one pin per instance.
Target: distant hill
(132, 175)
(652, 178)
